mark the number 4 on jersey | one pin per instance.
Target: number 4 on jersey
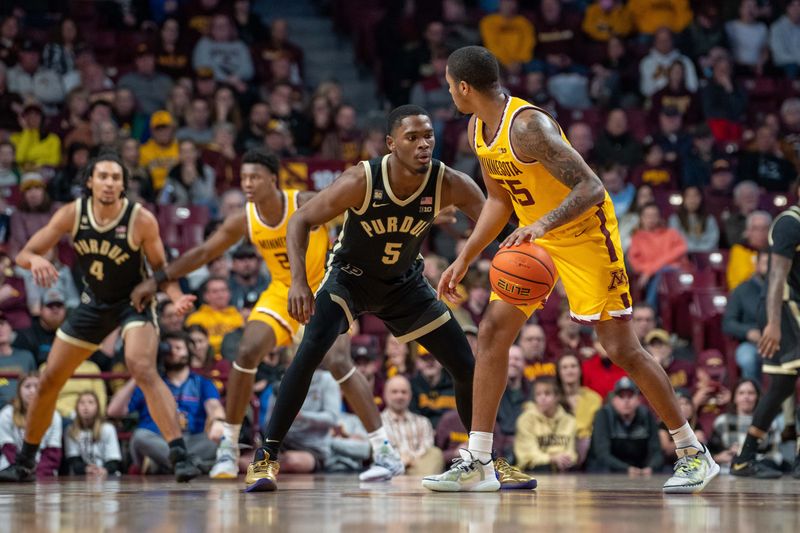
(96, 270)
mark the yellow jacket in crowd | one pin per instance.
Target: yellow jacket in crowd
(589, 402)
(34, 152)
(741, 265)
(539, 437)
(601, 25)
(649, 15)
(510, 40)
(217, 323)
(158, 160)
(68, 397)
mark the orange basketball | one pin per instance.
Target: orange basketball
(522, 275)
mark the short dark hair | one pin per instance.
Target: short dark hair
(259, 156)
(108, 155)
(397, 115)
(476, 66)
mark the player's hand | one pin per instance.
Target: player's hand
(754, 335)
(44, 273)
(301, 302)
(143, 293)
(770, 340)
(524, 234)
(184, 304)
(446, 215)
(449, 281)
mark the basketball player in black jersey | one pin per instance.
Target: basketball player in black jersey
(374, 267)
(112, 238)
(779, 344)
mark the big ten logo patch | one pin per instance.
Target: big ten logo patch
(618, 278)
(512, 288)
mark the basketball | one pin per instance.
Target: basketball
(522, 275)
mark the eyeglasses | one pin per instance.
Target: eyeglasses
(55, 305)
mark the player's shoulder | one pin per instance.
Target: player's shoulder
(789, 218)
(533, 121)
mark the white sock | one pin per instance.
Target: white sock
(480, 446)
(231, 432)
(377, 439)
(684, 437)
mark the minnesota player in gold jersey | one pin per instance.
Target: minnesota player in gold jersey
(264, 223)
(530, 170)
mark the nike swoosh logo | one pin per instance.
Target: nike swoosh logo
(376, 204)
(739, 466)
(581, 232)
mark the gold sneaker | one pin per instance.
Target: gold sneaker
(511, 477)
(262, 473)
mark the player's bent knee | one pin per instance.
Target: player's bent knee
(142, 371)
(250, 355)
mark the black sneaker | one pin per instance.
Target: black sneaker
(184, 468)
(17, 473)
(755, 469)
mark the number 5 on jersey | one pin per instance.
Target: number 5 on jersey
(96, 270)
(392, 251)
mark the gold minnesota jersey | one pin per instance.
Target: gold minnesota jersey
(586, 251)
(271, 243)
(534, 191)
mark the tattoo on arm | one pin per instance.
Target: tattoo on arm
(537, 137)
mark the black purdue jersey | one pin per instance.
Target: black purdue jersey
(110, 263)
(383, 237)
(784, 239)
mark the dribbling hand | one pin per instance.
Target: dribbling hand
(44, 273)
(301, 302)
(449, 281)
(524, 234)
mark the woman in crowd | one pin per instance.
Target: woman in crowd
(692, 221)
(12, 430)
(399, 360)
(203, 361)
(581, 401)
(91, 446)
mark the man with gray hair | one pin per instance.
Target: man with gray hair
(744, 256)
(746, 196)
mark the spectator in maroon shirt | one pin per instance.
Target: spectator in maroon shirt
(655, 171)
(676, 95)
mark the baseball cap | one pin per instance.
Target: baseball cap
(625, 383)
(30, 180)
(713, 363)
(144, 49)
(161, 118)
(657, 335)
(53, 296)
(204, 73)
(721, 165)
(363, 347)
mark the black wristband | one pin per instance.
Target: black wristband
(160, 276)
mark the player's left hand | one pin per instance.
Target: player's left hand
(770, 340)
(184, 304)
(301, 302)
(524, 234)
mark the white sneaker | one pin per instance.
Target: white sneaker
(386, 465)
(693, 471)
(466, 475)
(227, 464)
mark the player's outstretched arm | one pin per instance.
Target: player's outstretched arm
(229, 233)
(348, 191)
(535, 136)
(152, 246)
(30, 257)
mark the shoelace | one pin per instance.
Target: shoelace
(686, 464)
(460, 464)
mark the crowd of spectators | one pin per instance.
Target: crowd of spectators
(688, 111)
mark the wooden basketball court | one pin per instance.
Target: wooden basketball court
(317, 504)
